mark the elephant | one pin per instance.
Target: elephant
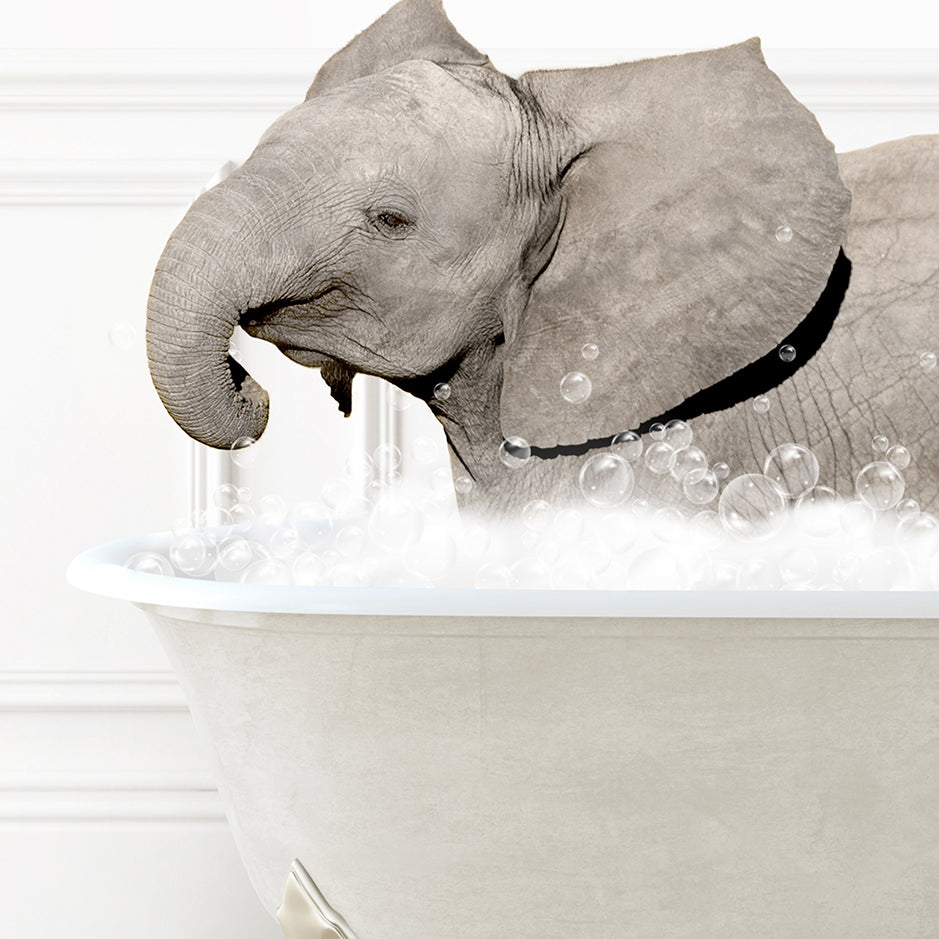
(660, 230)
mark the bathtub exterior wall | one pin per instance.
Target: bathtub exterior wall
(465, 778)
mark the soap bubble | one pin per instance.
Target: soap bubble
(927, 361)
(149, 562)
(576, 387)
(267, 572)
(530, 574)
(514, 452)
(880, 443)
(272, 509)
(656, 569)
(348, 575)
(493, 576)
(463, 484)
(787, 353)
(818, 511)
(761, 404)
(235, 554)
(657, 431)
(678, 435)
(536, 515)
(350, 541)
(628, 445)
(880, 569)
(442, 391)
(907, 508)
(308, 569)
(721, 470)
(589, 351)
(798, 567)
(794, 469)
(857, 518)
(899, 456)
(394, 523)
(660, 457)
(606, 480)
(700, 485)
(919, 534)
(435, 554)
(568, 525)
(759, 573)
(358, 466)
(242, 514)
(191, 553)
(424, 450)
(226, 496)
(122, 336)
(880, 485)
(752, 506)
(686, 460)
(784, 234)
(243, 453)
(386, 458)
(340, 497)
(441, 481)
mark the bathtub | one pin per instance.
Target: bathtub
(446, 764)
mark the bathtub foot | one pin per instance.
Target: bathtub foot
(304, 913)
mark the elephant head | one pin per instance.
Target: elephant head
(424, 218)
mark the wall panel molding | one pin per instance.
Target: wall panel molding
(86, 691)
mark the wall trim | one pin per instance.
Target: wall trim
(87, 691)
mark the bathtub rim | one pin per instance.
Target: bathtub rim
(99, 570)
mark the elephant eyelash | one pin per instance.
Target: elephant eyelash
(389, 222)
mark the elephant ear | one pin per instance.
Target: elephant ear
(703, 213)
(411, 29)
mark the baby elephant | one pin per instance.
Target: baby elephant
(575, 254)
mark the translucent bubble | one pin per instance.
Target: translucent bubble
(787, 353)
(919, 534)
(784, 234)
(628, 445)
(657, 431)
(122, 336)
(350, 541)
(678, 435)
(235, 554)
(241, 514)
(666, 522)
(530, 574)
(721, 470)
(400, 400)
(441, 481)
(267, 572)
(906, 508)
(752, 506)
(656, 569)
(359, 466)
(589, 351)
(493, 576)
(149, 562)
(700, 486)
(660, 458)
(340, 497)
(192, 521)
(879, 485)
(463, 484)
(899, 456)
(226, 496)
(348, 575)
(927, 361)
(576, 387)
(386, 458)
(394, 523)
(686, 460)
(190, 553)
(818, 511)
(606, 480)
(309, 569)
(568, 525)
(794, 469)
(243, 453)
(798, 566)
(285, 543)
(880, 443)
(857, 518)
(424, 450)
(536, 515)
(759, 573)
(442, 391)
(514, 452)
(881, 569)
(705, 527)
(272, 509)
(761, 404)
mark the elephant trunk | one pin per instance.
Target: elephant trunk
(201, 288)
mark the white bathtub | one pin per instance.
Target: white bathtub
(545, 765)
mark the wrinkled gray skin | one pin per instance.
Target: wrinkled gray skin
(424, 218)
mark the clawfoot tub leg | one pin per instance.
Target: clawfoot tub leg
(304, 913)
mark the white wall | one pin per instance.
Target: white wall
(112, 116)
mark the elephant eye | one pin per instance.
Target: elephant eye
(389, 222)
